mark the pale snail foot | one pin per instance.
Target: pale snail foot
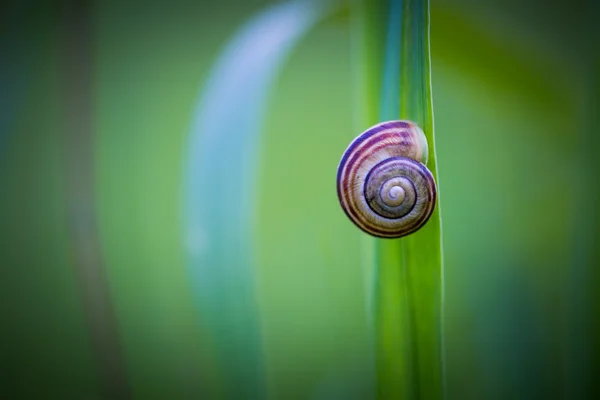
(382, 182)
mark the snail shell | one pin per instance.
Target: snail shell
(382, 182)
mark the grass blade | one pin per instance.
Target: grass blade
(407, 273)
(80, 156)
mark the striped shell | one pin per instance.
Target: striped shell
(382, 182)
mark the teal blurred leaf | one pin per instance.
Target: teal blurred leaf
(220, 180)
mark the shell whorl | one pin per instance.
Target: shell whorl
(382, 182)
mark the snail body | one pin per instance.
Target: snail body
(383, 184)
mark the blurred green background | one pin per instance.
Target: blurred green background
(515, 101)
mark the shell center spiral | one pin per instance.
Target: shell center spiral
(392, 193)
(388, 190)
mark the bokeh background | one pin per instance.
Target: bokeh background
(96, 104)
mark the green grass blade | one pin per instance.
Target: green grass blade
(407, 274)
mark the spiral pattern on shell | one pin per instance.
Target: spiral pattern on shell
(382, 182)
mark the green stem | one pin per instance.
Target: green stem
(407, 273)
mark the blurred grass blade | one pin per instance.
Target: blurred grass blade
(80, 199)
(407, 283)
(220, 195)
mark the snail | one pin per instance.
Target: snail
(383, 184)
